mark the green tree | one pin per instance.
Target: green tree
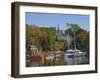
(81, 36)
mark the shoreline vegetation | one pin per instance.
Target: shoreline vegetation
(44, 43)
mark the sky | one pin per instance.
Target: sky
(53, 20)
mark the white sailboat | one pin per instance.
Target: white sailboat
(73, 56)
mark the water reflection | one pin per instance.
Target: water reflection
(76, 60)
(55, 60)
(67, 60)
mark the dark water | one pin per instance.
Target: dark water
(61, 60)
(67, 60)
(76, 60)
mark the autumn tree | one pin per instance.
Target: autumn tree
(81, 36)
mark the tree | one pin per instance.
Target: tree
(41, 37)
(81, 36)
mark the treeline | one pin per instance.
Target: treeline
(45, 38)
(42, 37)
(81, 37)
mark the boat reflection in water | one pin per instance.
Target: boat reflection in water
(71, 57)
(75, 57)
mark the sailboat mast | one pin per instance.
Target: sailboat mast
(68, 36)
(74, 38)
(74, 41)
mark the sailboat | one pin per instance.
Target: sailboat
(74, 52)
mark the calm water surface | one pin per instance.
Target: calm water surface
(60, 60)
(67, 60)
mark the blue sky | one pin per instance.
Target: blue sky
(53, 20)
